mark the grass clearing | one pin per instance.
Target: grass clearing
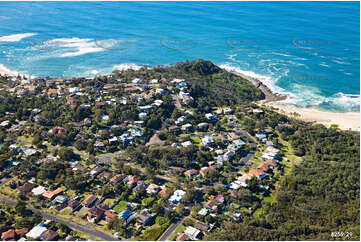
(109, 201)
(122, 205)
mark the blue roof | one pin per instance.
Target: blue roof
(126, 214)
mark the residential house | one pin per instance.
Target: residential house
(186, 143)
(191, 173)
(205, 171)
(187, 127)
(192, 232)
(104, 175)
(49, 235)
(126, 214)
(174, 129)
(117, 178)
(261, 136)
(203, 227)
(87, 122)
(38, 190)
(143, 217)
(60, 199)
(113, 141)
(207, 141)
(259, 173)
(153, 189)
(165, 192)
(8, 235)
(36, 232)
(146, 107)
(229, 155)
(132, 179)
(219, 198)
(211, 204)
(89, 201)
(177, 196)
(139, 187)
(26, 187)
(233, 193)
(110, 216)
(180, 120)
(203, 212)
(99, 145)
(74, 205)
(182, 237)
(142, 115)
(52, 194)
(99, 104)
(96, 212)
(210, 116)
(131, 89)
(95, 171)
(203, 126)
(22, 231)
(175, 170)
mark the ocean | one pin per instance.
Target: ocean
(308, 50)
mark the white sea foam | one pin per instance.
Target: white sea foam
(266, 80)
(5, 70)
(281, 54)
(94, 72)
(341, 62)
(301, 95)
(15, 37)
(77, 46)
(348, 101)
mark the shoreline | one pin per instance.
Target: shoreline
(344, 121)
(6, 72)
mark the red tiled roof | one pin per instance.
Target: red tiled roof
(10, 234)
(21, 231)
(182, 237)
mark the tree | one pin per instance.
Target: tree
(21, 209)
(66, 153)
(36, 140)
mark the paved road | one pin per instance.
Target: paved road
(82, 228)
(250, 155)
(170, 230)
(100, 158)
(4, 180)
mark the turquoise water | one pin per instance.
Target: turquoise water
(309, 50)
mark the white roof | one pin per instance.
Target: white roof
(177, 195)
(113, 139)
(187, 143)
(192, 232)
(136, 80)
(207, 139)
(203, 212)
(36, 231)
(38, 190)
(188, 125)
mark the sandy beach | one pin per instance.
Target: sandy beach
(345, 121)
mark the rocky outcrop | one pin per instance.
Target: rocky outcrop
(268, 94)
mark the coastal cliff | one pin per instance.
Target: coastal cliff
(268, 94)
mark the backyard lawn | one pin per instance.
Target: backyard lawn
(122, 205)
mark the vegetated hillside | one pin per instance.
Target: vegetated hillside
(318, 197)
(210, 85)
